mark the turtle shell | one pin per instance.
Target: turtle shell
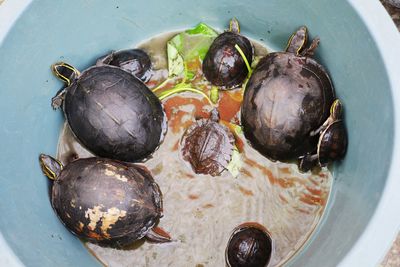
(223, 65)
(332, 143)
(286, 98)
(208, 147)
(106, 201)
(250, 245)
(134, 61)
(114, 115)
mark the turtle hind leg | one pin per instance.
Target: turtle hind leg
(58, 99)
(307, 162)
(105, 60)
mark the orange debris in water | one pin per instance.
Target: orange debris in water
(229, 104)
(246, 191)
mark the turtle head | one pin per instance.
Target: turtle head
(65, 72)
(336, 109)
(50, 166)
(234, 26)
(297, 41)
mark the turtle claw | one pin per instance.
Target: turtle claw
(158, 235)
(56, 102)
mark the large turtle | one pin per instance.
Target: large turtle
(105, 201)
(208, 145)
(287, 97)
(223, 64)
(111, 112)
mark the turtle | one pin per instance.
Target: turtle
(105, 201)
(135, 61)
(288, 96)
(250, 245)
(111, 112)
(223, 64)
(332, 144)
(208, 145)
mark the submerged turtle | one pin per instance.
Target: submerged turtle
(208, 146)
(110, 111)
(223, 65)
(250, 245)
(287, 97)
(134, 61)
(332, 142)
(105, 201)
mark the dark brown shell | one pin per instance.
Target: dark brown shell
(114, 115)
(223, 65)
(250, 245)
(333, 143)
(286, 98)
(208, 146)
(106, 201)
(135, 61)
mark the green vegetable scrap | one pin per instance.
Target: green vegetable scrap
(214, 94)
(189, 46)
(235, 164)
(182, 87)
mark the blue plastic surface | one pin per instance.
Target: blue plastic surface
(79, 31)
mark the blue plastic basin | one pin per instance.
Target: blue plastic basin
(358, 42)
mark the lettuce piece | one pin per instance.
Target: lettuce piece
(235, 164)
(189, 46)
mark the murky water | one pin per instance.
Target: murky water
(200, 211)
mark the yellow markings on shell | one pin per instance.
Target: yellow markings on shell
(111, 217)
(112, 173)
(107, 218)
(72, 203)
(80, 226)
(94, 215)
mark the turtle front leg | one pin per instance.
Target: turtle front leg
(57, 101)
(307, 162)
(309, 52)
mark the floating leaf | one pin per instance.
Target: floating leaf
(175, 60)
(235, 164)
(179, 88)
(189, 46)
(214, 94)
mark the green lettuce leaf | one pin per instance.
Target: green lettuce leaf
(235, 164)
(190, 45)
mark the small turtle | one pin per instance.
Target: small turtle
(287, 97)
(250, 245)
(134, 61)
(105, 201)
(332, 144)
(111, 112)
(223, 65)
(208, 146)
